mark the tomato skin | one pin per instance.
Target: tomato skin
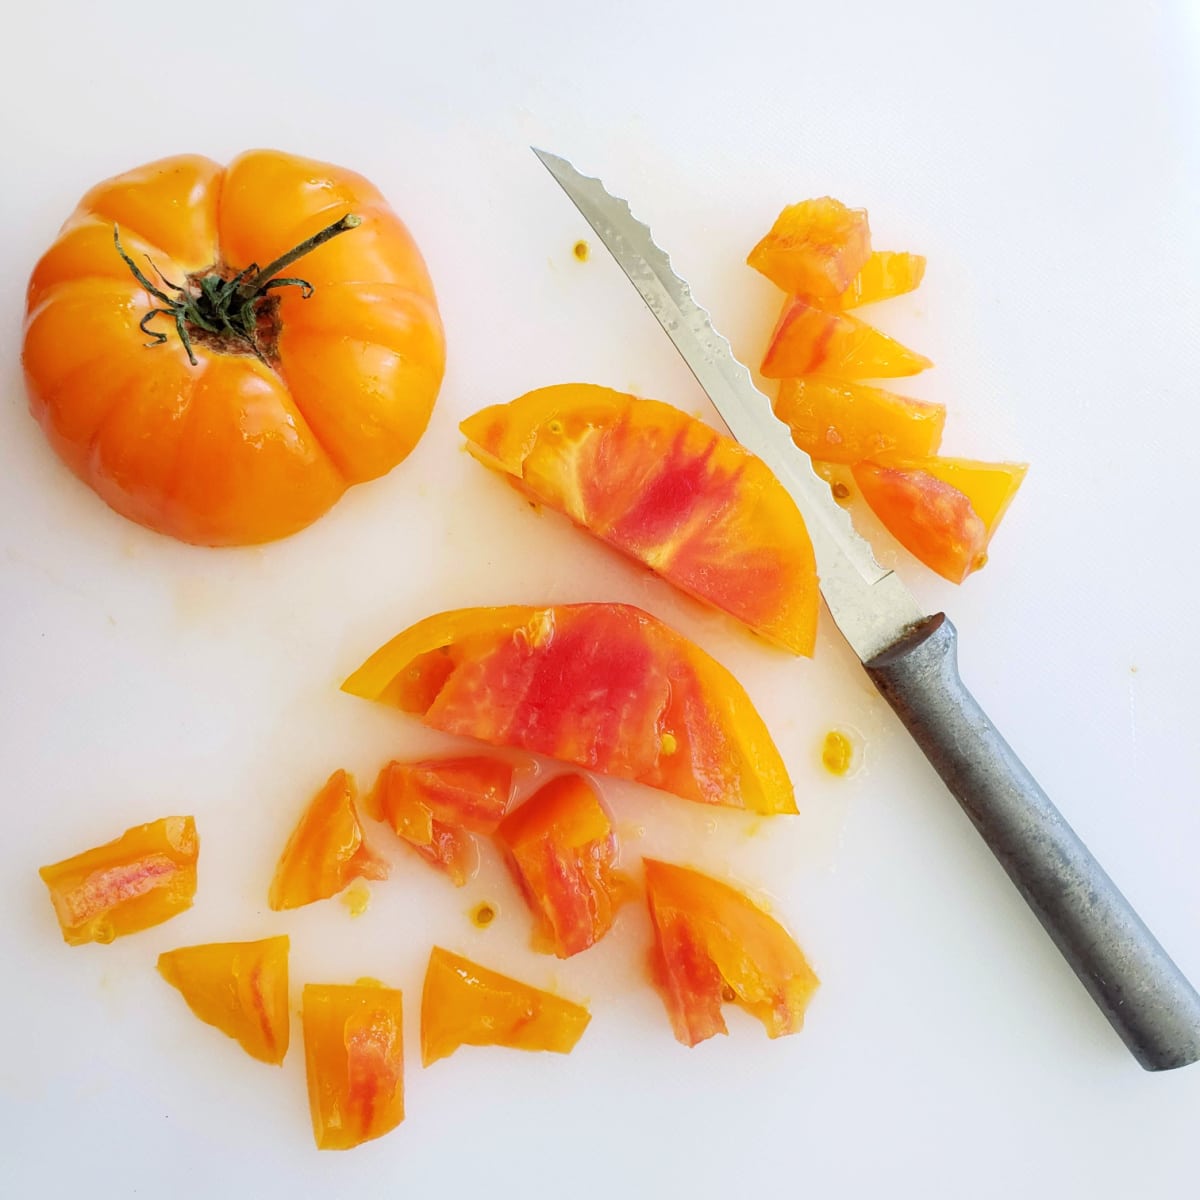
(944, 511)
(562, 850)
(232, 451)
(326, 850)
(712, 943)
(667, 490)
(816, 247)
(606, 687)
(241, 988)
(835, 421)
(465, 1004)
(144, 877)
(354, 1062)
(813, 340)
(437, 804)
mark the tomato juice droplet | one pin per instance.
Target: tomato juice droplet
(357, 898)
(837, 751)
(482, 915)
(581, 250)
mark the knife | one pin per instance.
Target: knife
(912, 659)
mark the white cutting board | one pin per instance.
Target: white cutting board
(1045, 159)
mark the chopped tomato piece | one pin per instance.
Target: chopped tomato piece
(815, 247)
(604, 686)
(435, 805)
(942, 510)
(240, 987)
(885, 274)
(714, 944)
(326, 850)
(835, 421)
(563, 851)
(666, 489)
(354, 1060)
(464, 1004)
(144, 877)
(811, 340)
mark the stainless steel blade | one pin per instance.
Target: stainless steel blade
(869, 604)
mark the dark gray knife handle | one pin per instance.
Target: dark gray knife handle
(1130, 976)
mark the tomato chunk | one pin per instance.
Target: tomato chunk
(669, 491)
(815, 247)
(239, 987)
(885, 274)
(714, 944)
(835, 421)
(811, 340)
(144, 877)
(944, 511)
(562, 850)
(437, 804)
(606, 687)
(326, 850)
(354, 1061)
(464, 1004)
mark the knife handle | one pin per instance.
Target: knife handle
(1139, 989)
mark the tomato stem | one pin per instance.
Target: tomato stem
(225, 309)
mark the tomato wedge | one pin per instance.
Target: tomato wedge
(326, 850)
(713, 944)
(144, 877)
(669, 491)
(942, 510)
(885, 274)
(562, 850)
(604, 686)
(464, 1004)
(835, 421)
(239, 987)
(815, 247)
(437, 804)
(811, 340)
(354, 1061)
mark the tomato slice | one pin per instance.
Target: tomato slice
(885, 274)
(354, 1061)
(144, 877)
(562, 849)
(435, 806)
(835, 421)
(669, 491)
(464, 1004)
(326, 850)
(239, 987)
(714, 944)
(811, 340)
(942, 510)
(815, 247)
(604, 686)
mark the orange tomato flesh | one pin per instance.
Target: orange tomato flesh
(944, 511)
(885, 274)
(606, 687)
(325, 851)
(354, 1062)
(562, 849)
(667, 490)
(241, 988)
(144, 877)
(811, 340)
(464, 1004)
(711, 944)
(835, 421)
(815, 247)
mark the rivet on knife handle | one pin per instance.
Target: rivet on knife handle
(1129, 975)
(913, 662)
